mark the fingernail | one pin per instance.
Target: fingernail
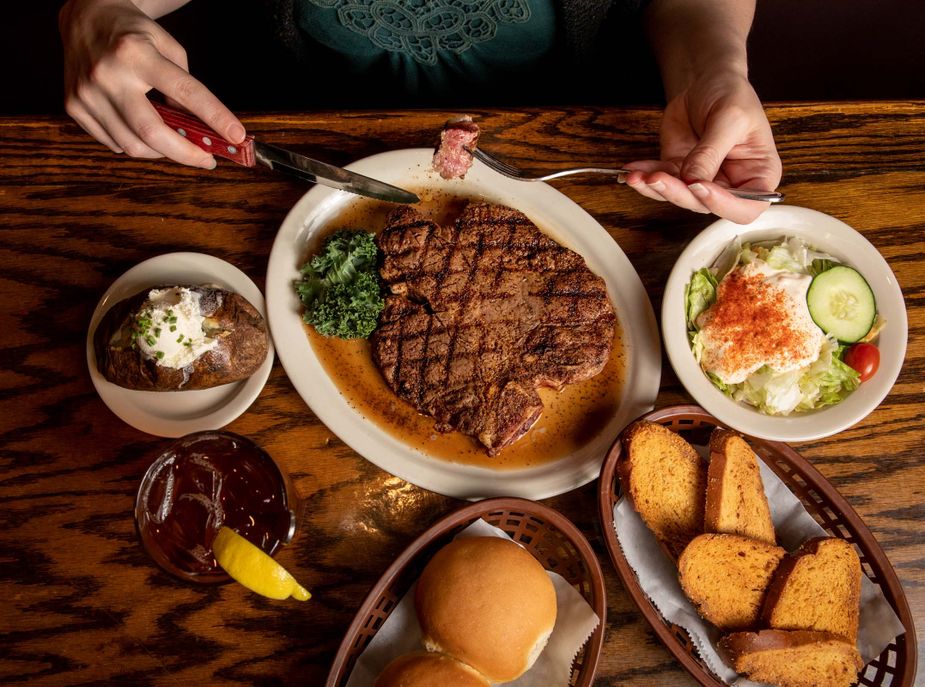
(213, 165)
(657, 186)
(699, 190)
(236, 133)
(695, 173)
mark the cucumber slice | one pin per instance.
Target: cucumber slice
(841, 303)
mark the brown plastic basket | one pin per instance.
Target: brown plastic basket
(552, 539)
(896, 665)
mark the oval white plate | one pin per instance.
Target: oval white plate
(548, 208)
(176, 413)
(824, 233)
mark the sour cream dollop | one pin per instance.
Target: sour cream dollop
(759, 318)
(169, 327)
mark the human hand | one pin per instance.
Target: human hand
(113, 55)
(714, 136)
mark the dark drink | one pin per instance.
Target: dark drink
(203, 481)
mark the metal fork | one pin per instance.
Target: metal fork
(516, 173)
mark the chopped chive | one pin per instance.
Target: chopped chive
(173, 328)
(180, 338)
(151, 340)
(157, 331)
(159, 354)
(188, 344)
(172, 320)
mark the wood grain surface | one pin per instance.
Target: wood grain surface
(83, 604)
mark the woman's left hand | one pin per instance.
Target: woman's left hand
(714, 136)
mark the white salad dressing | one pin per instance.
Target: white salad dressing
(170, 325)
(720, 355)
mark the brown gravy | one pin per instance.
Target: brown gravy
(572, 417)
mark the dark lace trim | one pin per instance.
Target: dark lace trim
(423, 29)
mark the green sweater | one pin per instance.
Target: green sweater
(432, 46)
(442, 52)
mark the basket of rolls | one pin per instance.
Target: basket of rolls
(502, 591)
(749, 566)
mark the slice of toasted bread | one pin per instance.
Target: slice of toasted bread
(735, 501)
(818, 587)
(665, 479)
(793, 658)
(726, 575)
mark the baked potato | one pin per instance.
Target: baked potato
(180, 337)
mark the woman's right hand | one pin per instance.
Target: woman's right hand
(113, 55)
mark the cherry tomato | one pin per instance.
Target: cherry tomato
(863, 357)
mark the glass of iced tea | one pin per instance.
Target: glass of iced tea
(201, 482)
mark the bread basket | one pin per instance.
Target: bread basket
(548, 535)
(896, 665)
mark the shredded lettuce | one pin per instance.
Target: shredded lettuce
(781, 258)
(825, 382)
(728, 260)
(820, 265)
(793, 255)
(719, 383)
(751, 253)
(829, 380)
(699, 295)
(696, 344)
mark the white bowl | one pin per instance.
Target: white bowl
(177, 413)
(824, 233)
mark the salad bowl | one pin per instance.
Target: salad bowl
(823, 234)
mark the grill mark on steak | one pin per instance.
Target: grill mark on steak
(430, 322)
(481, 314)
(421, 224)
(465, 300)
(424, 360)
(441, 277)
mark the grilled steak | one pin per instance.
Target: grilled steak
(451, 158)
(481, 314)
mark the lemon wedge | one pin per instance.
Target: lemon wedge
(253, 568)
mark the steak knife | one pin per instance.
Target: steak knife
(250, 152)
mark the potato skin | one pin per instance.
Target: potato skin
(239, 328)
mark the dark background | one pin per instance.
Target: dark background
(799, 50)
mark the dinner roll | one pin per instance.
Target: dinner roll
(425, 669)
(488, 603)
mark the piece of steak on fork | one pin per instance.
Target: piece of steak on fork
(452, 154)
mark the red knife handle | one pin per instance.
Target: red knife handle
(200, 134)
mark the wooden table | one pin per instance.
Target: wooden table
(82, 603)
